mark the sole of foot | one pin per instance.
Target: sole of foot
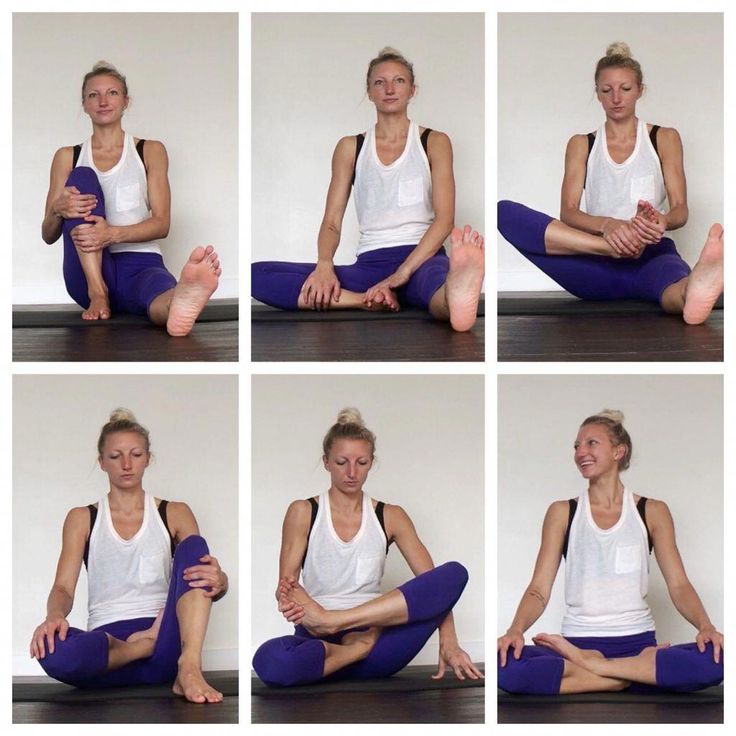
(198, 281)
(465, 278)
(705, 284)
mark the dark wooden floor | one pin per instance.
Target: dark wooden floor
(410, 335)
(610, 713)
(57, 333)
(558, 327)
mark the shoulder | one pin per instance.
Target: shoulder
(578, 145)
(438, 143)
(77, 521)
(668, 140)
(396, 520)
(178, 511)
(346, 146)
(155, 151)
(63, 157)
(558, 513)
(657, 513)
(299, 511)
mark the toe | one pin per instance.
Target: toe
(456, 236)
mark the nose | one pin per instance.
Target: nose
(127, 462)
(352, 470)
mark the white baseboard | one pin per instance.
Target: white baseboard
(56, 293)
(526, 281)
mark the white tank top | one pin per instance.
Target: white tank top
(338, 574)
(607, 574)
(613, 190)
(127, 578)
(126, 192)
(394, 202)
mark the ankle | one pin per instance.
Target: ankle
(189, 662)
(97, 291)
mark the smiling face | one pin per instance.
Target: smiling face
(125, 459)
(618, 90)
(348, 463)
(104, 99)
(390, 87)
(595, 453)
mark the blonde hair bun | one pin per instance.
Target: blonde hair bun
(619, 48)
(613, 414)
(349, 415)
(122, 415)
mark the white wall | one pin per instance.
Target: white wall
(676, 426)
(193, 422)
(429, 446)
(308, 90)
(546, 63)
(182, 72)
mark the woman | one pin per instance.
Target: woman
(151, 582)
(608, 639)
(345, 628)
(405, 200)
(630, 172)
(110, 200)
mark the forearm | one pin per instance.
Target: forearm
(327, 242)
(59, 603)
(688, 603)
(51, 227)
(430, 243)
(531, 607)
(151, 229)
(574, 217)
(677, 217)
(447, 632)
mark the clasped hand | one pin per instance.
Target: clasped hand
(72, 204)
(383, 293)
(208, 575)
(93, 235)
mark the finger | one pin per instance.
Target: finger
(504, 653)
(518, 649)
(701, 644)
(50, 639)
(63, 629)
(458, 672)
(73, 190)
(469, 671)
(479, 675)
(440, 670)
(716, 651)
(336, 292)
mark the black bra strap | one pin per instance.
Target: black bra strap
(75, 155)
(653, 139)
(92, 517)
(314, 508)
(425, 138)
(162, 513)
(139, 148)
(379, 514)
(573, 508)
(359, 140)
(641, 507)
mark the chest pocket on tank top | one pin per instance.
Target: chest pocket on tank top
(367, 570)
(628, 559)
(642, 187)
(127, 197)
(411, 191)
(151, 568)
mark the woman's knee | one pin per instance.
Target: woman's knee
(289, 660)
(85, 180)
(684, 668)
(76, 659)
(456, 575)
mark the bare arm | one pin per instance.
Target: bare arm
(536, 596)
(669, 145)
(183, 524)
(61, 597)
(400, 529)
(294, 536)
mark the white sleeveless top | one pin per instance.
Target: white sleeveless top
(607, 574)
(394, 202)
(127, 578)
(613, 190)
(126, 192)
(338, 574)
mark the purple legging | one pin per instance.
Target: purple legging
(680, 668)
(81, 659)
(133, 280)
(589, 276)
(299, 659)
(278, 283)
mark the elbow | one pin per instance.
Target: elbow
(567, 215)
(164, 226)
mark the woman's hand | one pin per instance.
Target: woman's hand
(709, 634)
(622, 237)
(208, 575)
(456, 659)
(291, 611)
(321, 288)
(71, 204)
(93, 236)
(382, 293)
(45, 633)
(649, 223)
(512, 639)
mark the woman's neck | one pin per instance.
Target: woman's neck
(345, 503)
(621, 130)
(108, 136)
(607, 491)
(393, 126)
(126, 500)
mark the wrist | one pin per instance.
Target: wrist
(114, 235)
(707, 626)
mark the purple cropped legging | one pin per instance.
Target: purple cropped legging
(81, 659)
(299, 659)
(680, 668)
(133, 280)
(589, 276)
(278, 283)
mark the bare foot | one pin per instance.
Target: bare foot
(569, 651)
(190, 684)
(316, 620)
(705, 283)
(464, 281)
(197, 283)
(151, 633)
(99, 308)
